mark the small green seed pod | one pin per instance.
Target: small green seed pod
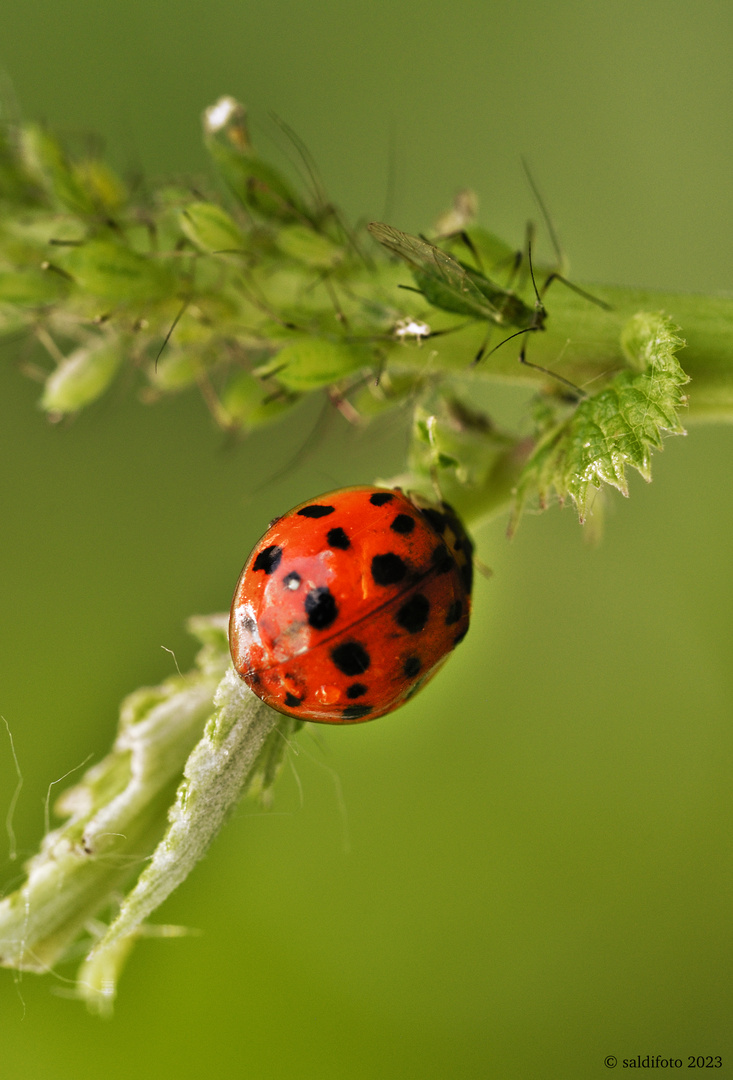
(82, 377)
(391, 391)
(250, 404)
(32, 288)
(257, 185)
(309, 247)
(45, 162)
(108, 270)
(310, 363)
(14, 180)
(105, 188)
(176, 370)
(210, 228)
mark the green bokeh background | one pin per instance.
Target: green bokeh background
(529, 867)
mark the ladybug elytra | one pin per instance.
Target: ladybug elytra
(350, 603)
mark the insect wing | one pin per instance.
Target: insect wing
(441, 278)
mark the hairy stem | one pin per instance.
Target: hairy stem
(581, 342)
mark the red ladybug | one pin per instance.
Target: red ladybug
(350, 603)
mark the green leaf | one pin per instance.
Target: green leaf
(616, 428)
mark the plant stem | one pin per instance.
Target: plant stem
(581, 342)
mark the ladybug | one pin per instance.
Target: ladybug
(350, 603)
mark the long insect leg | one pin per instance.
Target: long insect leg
(577, 392)
(554, 276)
(540, 316)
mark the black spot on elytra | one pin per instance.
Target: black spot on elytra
(357, 689)
(437, 519)
(248, 624)
(411, 667)
(356, 712)
(453, 613)
(269, 559)
(403, 524)
(291, 580)
(321, 608)
(459, 637)
(388, 569)
(467, 576)
(379, 498)
(351, 658)
(337, 538)
(292, 701)
(442, 559)
(413, 614)
(316, 510)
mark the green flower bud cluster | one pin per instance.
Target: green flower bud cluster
(259, 302)
(265, 296)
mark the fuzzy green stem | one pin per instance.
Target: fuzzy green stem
(185, 754)
(581, 342)
(217, 773)
(117, 813)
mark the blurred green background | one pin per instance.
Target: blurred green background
(529, 867)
